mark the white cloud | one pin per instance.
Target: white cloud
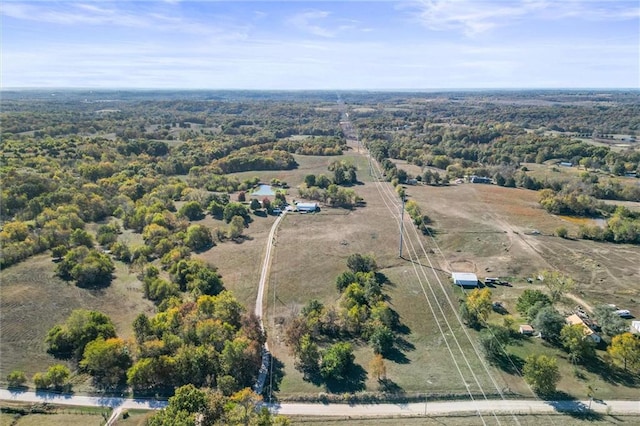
(308, 22)
(473, 17)
(89, 14)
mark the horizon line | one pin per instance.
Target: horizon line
(433, 89)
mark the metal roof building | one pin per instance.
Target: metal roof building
(307, 207)
(465, 279)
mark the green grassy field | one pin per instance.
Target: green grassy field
(20, 414)
(134, 418)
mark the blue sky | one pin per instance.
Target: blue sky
(429, 44)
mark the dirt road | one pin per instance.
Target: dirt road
(365, 410)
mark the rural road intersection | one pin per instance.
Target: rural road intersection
(516, 406)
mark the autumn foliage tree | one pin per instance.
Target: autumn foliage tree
(625, 349)
(542, 373)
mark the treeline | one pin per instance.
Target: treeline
(622, 227)
(313, 145)
(242, 161)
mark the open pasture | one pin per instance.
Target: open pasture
(34, 300)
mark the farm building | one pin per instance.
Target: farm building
(526, 329)
(576, 320)
(307, 207)
(479, 179)
(465, 279)
(566, 164)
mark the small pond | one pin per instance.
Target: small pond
(264, 190)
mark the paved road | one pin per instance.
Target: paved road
(360, 410)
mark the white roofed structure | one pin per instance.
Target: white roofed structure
(464, 279)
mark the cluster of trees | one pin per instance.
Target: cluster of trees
(361, 313)
(81, 327)
(322, 188)
(422, 221)
(191, 406)
(244, 160)
(55, 377)
(344, 173)
(209, 341)
(186, 275)
(313, 145)
(333, 196)
(570, 202)
(87, 267)
(622, 227)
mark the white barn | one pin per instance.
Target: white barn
(465, 279)
(307, 207)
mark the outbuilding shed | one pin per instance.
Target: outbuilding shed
(465, 279)
(527, 330)
(307, 207)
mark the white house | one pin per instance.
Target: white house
(465, 279)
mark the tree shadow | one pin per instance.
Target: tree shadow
(612, 374)
(511, 364)
(241, 239)
(17, 389)
(382, 279)
(274, 379)
(566, 404)
(397, 356)
(204, 248)
(403, 344)
(388, 386)
(354, 382)
(402, 329)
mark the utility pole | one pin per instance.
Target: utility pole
(425, 404)
(401, 225)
